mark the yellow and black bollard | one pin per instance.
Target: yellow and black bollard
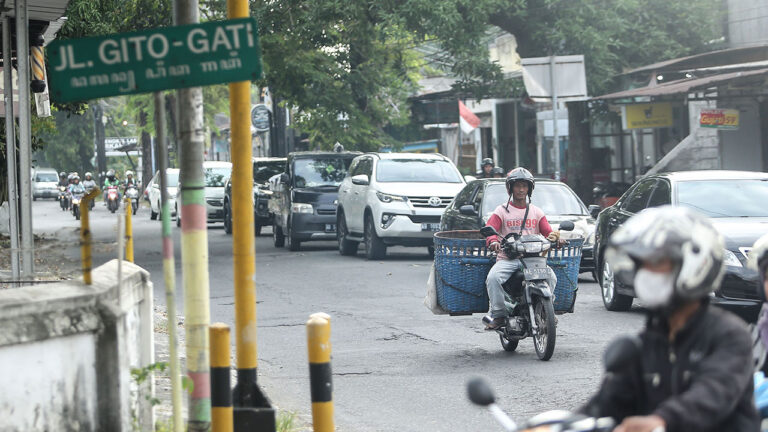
(221, 393)
(321, 387)
(128, 230)
(85, 235)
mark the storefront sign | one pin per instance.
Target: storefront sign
(647, 116)
(727, 119)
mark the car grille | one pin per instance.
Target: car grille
(425, 201)
(215, 202)
(326, 212)
(424, 219)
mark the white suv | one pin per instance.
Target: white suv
(392, 199)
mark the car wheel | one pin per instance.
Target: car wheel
(227, 219)
(346, 247)
(374, 247)
(612, 300)
(277, 236)
(293, 244)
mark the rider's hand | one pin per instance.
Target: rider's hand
(651, 423)
(495, 247)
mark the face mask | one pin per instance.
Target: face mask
(654, 289)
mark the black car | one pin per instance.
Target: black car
(736, 203)
(304, 197)
(263, 169)
(475, 203)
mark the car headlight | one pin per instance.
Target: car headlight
(731, 259)
(387, 198)
(301, 208)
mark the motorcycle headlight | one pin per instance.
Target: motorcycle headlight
(301, 208)
(532, 247)
(731, 259)
(387, 198)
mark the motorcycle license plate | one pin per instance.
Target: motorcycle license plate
(430, 227)
(330, 227)
(535, 273)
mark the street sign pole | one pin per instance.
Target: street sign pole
(10, 145)
(25, 139)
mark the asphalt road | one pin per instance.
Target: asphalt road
(396, 366)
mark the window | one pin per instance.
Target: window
(365, 167)
(262, 171)
(47, 177)
(463, 197)
(725, 198)
(353, 169)
(417, 171)
(639, 197)
(661, 195)
(216, 177)
(308, 173)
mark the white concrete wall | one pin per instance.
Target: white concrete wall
(741, 149)
(747, 22)
(67, 350)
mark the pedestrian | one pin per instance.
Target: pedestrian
(694, 370)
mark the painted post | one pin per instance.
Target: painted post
(321, 387)
(194, 239)
(128, 230)
(85, 235)
(169, 266)
(10, 146)
(221, 393)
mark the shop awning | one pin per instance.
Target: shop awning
(685, 86)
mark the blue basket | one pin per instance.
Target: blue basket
(565, 262)
(462, 263)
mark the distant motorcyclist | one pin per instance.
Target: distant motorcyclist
(693, 371)
(76, 187)
(486, 169)
(63, 179)
(498, 172)
(111, 180)
(129, 180)
(89, 183)
(519, 217)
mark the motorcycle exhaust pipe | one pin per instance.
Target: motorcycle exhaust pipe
(487, 319)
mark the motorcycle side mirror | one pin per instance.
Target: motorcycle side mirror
(567, 226)
(480, 392)
(621, 352)
(488, 231)
(468, 210)
(594, 210)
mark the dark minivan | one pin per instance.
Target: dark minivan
(263, 169)
(304, 197)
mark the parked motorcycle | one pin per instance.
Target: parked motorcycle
(527, 294)
(63, 198)
(132, 192)
(618, 355)
(76, 200)
(113, 199)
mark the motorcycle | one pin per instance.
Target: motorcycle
(113, 199)
(527, 294)
(76, 200)
(132, 192)
(618, 354)
(63, 198)
(91, 202)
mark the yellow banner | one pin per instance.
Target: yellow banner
(646, 116)
(719, 119)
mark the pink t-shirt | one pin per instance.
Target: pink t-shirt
(508, 219)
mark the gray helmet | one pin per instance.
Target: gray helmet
(520, 174)
(487, 161)
(498, 171)
(679, 234)
(111, 174)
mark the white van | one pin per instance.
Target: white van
(45, 183)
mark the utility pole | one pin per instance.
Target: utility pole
(194, 239)
(25, 139)
(10, 145)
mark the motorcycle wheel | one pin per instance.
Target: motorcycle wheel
(544, 338)
(76, 211)
(135, 207)
(508, 345)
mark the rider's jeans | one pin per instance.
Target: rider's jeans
(499, 274)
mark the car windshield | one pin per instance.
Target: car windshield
(47, 177)
(173, 178)
(552, 199)
(215, 177)
(725, 198)
(416, 171)
(320, 172)
(262, 171)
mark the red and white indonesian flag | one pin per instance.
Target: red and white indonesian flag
(467, 119)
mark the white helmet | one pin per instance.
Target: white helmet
(129, 173)
(679, 234)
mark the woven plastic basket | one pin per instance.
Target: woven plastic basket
(462, 263)
(565, 262)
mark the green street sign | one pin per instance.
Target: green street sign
(151, 60)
